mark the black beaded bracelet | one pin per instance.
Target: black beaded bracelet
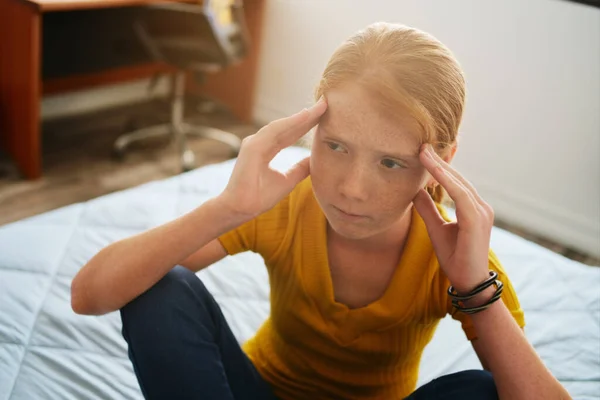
(474, 310)
(480, 288)
(457, 299)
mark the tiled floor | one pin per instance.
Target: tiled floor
(78, 165)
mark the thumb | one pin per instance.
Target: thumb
(428, 211)
(298, 172)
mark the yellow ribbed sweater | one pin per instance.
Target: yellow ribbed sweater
(312, 347)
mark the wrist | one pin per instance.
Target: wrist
(480, 298)
(473, 301)
(477, 316)
(230, 209)
(462, 288)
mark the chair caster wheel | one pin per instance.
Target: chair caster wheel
(188, 161)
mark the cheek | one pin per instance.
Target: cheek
(397, 193)
(411, 181)
(392, 201)
(318, 173)
(323, 167)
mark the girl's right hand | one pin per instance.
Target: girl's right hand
(254, 187)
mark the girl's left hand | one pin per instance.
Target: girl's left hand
(462, 247)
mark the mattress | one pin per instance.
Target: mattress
(49, 352)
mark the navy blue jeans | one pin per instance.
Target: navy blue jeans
(181, 347)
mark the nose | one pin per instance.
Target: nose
(355, 184)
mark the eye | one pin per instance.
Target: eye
(391, 164)
(335, 147)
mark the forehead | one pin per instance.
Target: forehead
(354, 114)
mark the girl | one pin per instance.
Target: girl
(362, 260)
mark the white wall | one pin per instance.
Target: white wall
(530, 137)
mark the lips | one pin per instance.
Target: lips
(347, 213)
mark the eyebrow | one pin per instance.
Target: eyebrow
(328, 135)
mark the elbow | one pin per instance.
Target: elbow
(79, 307)
(86, 296)
(83, 295)
(562, 393)
(78, 298)
(81, 303)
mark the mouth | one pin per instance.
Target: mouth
(347, 214)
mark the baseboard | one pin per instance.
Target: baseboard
(543, 218)
(90, 100)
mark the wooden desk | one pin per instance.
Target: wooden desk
(21, 86)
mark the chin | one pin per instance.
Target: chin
(350, 231)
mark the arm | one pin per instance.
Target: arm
(125, 269)
(478, 347)
(207, 255)
(462, 249)
(505, 352)
(480, 351)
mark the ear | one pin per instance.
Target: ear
(451, 153)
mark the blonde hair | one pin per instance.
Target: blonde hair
(408, 71)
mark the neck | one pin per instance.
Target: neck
(392, 238)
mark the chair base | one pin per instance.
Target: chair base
(179, 134)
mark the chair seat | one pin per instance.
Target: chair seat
(189, 37)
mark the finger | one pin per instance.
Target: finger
(298, 172)
(450, 169)
(287, 137)
(287, 131)
(459, 193)
(428, 211)
(465, 182)
(286, 123)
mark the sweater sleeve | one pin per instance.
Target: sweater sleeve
(262, 235)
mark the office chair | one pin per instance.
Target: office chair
(193, 38)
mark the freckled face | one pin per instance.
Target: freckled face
(364, 165)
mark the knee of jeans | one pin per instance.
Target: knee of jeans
(482, 382)
(166, 291)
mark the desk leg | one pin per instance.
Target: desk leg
(20, 89)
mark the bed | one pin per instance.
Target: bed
(49, 352)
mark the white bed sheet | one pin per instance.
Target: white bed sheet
(48, 352)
